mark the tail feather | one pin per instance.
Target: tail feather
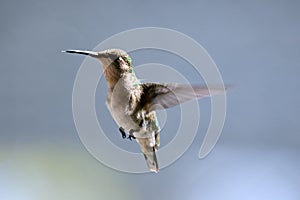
(149, 153)
(151, 160)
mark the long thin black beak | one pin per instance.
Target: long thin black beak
(87, 53)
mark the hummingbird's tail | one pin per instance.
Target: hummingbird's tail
(152, 160)
(149, 154)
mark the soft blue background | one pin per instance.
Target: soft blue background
(256, 46)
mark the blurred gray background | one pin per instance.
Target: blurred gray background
(256, 46)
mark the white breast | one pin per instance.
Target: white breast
(119, 103)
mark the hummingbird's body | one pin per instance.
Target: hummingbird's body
(132, 104)
(122, 103)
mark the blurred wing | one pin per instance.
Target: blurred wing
(161, 96)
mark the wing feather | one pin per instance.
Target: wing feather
(161, 96)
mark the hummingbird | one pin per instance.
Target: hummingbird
(133, 104)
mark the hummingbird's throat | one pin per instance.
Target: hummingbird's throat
(112, 76)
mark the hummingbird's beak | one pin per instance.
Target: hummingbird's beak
(87, 53)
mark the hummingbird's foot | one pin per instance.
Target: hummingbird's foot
(121, 129)
(131, 136)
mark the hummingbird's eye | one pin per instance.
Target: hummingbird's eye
(128, 60)
(120, 60)
(123, 64)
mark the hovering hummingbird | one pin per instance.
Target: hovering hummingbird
(132, 104)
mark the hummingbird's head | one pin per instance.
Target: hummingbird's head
(115, 58)
(115, 62)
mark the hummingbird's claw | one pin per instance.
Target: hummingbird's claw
(122, 132)
(130, 137)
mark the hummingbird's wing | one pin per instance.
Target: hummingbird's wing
(161, 96)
